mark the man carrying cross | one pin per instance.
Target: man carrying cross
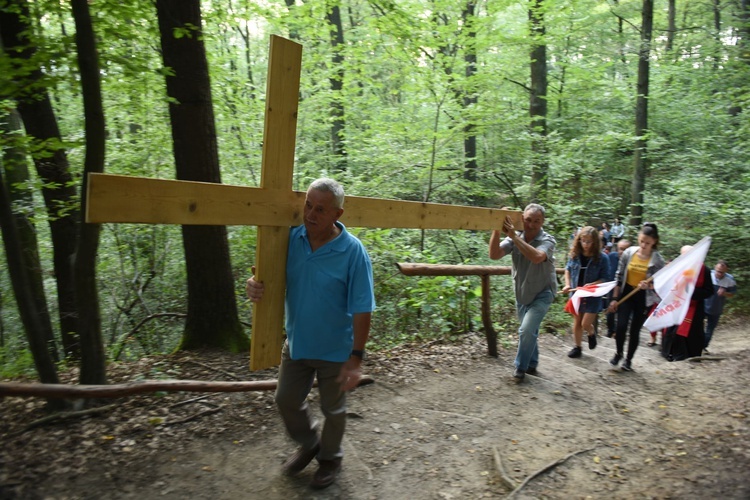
(329, 302)
(535, 281)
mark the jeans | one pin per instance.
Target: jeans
(295, 383)
(530, 317)
(711, 321)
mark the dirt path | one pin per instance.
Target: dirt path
(441, 422)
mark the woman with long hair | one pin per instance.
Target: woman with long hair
(587, 265)
(637, 264)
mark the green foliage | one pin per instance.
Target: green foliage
(404, 84)
(16, 362)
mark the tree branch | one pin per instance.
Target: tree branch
(544, 469)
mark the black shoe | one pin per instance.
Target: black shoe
(592, 341)
(326, 473)
(531, 370)
(301, 458)
(610, 335)
(614, 361)
(575, 352)
(519, 374)
(626, 366)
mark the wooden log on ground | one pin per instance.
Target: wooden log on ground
(65, 391)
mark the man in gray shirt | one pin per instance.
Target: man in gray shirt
(532, 252)
(724, 287)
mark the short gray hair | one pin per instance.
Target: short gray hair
(535, 207)
(330, 186)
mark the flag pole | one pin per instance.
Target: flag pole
(633, 292)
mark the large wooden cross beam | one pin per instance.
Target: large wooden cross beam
(273, 207)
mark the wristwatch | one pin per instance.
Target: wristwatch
(358, 353)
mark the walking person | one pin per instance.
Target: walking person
(329, 302)
(724, 287)
(636, 265)
(614, 260)
(686, 340)
(532, 253)
(587, 265)
(617, 231)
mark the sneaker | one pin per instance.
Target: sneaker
(301, 458)
(575, 352)
(326, 474)
(614, 361)
(626, 367)
(592, 341)
(519, 374)
(705, 352)
(531, 370)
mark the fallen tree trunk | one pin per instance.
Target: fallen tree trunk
(64, 391)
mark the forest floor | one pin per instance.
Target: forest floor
(441, 421)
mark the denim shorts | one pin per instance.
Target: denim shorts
(590, 305)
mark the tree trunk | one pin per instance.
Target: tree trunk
(671, 24)
(338, 122)
(640, 166)
(17, 389)
(744, 30)
(93, 370)
(20, 195)
(52, 166)
(212, 318)
(470, 99)
(35, 330)
(538, 102)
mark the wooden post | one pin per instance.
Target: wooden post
(489, 331)
(416, 269)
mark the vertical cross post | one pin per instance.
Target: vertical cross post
(279, 139)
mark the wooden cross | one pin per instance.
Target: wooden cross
(273, 207)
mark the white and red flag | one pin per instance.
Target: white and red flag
(594, 290)
(675, 284)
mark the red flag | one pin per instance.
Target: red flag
(592, 290)
(569, 307)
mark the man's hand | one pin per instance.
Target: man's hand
(254, 289)
(508, 228)
(350, 374)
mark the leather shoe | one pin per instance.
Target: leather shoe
(575, 352)
(592, 341)
(301, 458)
(616, 359)
(326, 474)
(531, 370)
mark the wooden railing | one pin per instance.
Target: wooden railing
(417, 269)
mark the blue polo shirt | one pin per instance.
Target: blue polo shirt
(324, 289)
